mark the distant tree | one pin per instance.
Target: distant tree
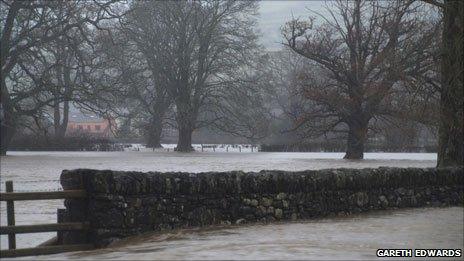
(201, 44)
(240, 106)
(62, 65)
(27, 26)
(363, 55)
(282, 70)
(143, 34)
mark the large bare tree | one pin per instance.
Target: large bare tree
(363, 54)
(131, 65)
(199, 43)
(26, 26)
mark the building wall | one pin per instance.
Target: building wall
(100, 129)
(121, 204)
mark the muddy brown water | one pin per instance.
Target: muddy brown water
(352, 237)
(331, 238)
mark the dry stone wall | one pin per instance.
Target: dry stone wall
(121, 204)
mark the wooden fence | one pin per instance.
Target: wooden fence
(11, 229)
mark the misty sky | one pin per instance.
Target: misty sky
(273, 14)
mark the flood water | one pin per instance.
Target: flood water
(327, 238)
(353, 237)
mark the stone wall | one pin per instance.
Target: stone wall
(121, 204)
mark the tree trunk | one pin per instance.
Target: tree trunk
(357, 135)
(60, 125)
(451, 133)
(184, 142)
(186, 116)
(7, 131)
(64, 124)
(154, 134)
(57, 120)
(7, 119)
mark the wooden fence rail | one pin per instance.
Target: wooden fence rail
(43, 228)
(11, 229)
(45, 250)
(17, 196)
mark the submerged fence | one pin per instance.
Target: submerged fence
(341, 147)
(10, 196)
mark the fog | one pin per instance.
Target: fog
(273, 74)
(206, 85)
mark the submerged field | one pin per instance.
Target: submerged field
(292, 240)
(48, 165)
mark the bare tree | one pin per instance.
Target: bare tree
(282, 70)
(223, 43)
(129, 68)
(240, 106)
(199, 43)
(65, 61)
(362, 55)
(144, 39)
(27, 26)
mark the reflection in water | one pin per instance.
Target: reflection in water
(353, 237)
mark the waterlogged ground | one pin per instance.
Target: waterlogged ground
(48, 165)
(296, 240)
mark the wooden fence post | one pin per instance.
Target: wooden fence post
(60, 218)
(10, 216)
(63, 228)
